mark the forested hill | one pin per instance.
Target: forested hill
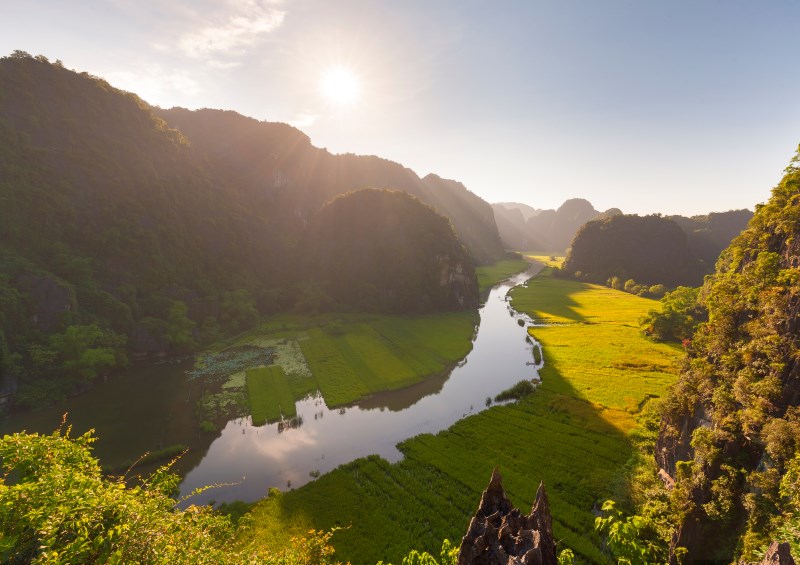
(524, 228)
(649, 249)
(119, 236)
(385, 250)
(673, 250)
(278, 162)
(730, 433)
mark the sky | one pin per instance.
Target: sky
(677, 107)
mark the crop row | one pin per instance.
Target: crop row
(269, 395)
(572, 433)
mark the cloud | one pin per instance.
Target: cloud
(238, 31)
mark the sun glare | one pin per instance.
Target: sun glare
(340, 86)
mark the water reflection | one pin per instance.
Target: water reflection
(320, 439)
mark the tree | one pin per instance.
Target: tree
(87, 350)
(60, 508)
(238, 310)
(678, 316)
(180, 327)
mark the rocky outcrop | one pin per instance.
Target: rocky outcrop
(50, 299)
(500, 534)
(778, 554)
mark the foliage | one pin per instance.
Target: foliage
(740, 375)
(447, 556)
(679, 315)
(787, 526)
(633, 539)
(521, 389)
(230, 361)
(60, 509)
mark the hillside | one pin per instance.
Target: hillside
(730, 433)
(708, 235)
(648, 249)
(522, 227)
(120, 237)
(385, 251)
(277, 163)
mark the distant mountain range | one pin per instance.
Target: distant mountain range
(524, 228)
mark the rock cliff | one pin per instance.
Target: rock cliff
(500, 534)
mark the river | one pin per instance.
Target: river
(152, 406)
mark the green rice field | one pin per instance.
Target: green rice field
(269, 395)
(490, 275)
(573, 433)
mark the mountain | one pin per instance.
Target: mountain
(649, 249)
(708, 235)
(524, 209)
(729, 438)
(278, 164)
(386, 251)
(524, 228)
(672, 250)
(120, 235)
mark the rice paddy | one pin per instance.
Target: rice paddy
(347, 357)
(490, 275)
(573, 433)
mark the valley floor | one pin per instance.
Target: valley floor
(573, 433)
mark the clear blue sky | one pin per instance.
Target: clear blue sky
(649, 106)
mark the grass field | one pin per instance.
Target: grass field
(349, 356)
(490, 275)
(269, 395)
(572, 433)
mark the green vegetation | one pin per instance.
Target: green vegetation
(169, 452)
(678, 316)
(490, 275)
(345, 356)
(385, 251)
(650, 249)
(519, 390)
(167, 241)
(269, 395)
(575, 433)
(730, 431)
(384, 353)
(60, 509)
(607, 350)
(630, 285)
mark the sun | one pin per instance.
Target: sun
(340, 86)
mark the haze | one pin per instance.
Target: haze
(679, 107)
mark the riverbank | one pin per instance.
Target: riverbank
(574, 433)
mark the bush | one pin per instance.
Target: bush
(60, 509)
(519, 390)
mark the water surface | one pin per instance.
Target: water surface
(152, 406)
(257, 458)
